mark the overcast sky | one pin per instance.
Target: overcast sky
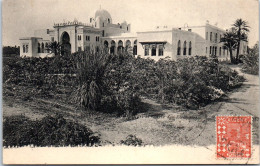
(22, 17)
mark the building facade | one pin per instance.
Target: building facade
(101, 33)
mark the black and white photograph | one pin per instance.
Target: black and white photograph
(130, 81)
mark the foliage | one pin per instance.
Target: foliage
(241, 29)
(229, 41)
(90, 69)
(251, 61)
(132, 140)
(8, 50)
(49, 131)
(114, 83)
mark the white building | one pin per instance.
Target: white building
(101, 33)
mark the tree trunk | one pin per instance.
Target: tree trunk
(238, 47)
(231, 56)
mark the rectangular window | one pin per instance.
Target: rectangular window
(160, 50)
(146, 50)
(154, 50)
(52, 39)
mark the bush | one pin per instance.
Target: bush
(132, 140)
(49, 131)
(251, 61)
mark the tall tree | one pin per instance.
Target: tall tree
(229, 40)
(55, 48)
(242, 28)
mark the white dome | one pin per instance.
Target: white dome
(102, 14)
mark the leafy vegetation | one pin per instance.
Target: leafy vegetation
(114, 83)
(233, 38)
(49, 131)
(11, 51)
(251, 61)
(132, 140)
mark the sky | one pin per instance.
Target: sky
(21, 17)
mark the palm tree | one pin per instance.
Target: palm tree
(55, 48)
(229, 40)
(242, 28)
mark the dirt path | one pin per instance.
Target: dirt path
(244, 101)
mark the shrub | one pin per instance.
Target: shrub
(132, 140)
(49, 131)
(251, 61)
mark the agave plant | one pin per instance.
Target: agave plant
(90, 69)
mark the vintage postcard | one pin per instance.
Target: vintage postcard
(130, 82)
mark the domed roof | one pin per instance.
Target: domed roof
(103, 14)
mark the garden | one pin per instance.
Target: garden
(103, 85)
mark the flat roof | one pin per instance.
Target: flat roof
(29, 38)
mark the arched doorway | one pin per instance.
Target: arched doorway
(120, 47)
(112, 48)
(106, 45)
(128, 44)
(135, 48)
(65, 43)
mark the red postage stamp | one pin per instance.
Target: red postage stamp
(233, 136)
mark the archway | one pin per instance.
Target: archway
(65, 43)
(112, 48)
(135, 48)
(120, 47)
(106, 46)
(128, 44)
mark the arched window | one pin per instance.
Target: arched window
(219, 51)
(190, 48)
(135, 48)
(224, 51)
(179, 48)
(23, 48)
(42, 48)
(26, 50)
(39, 48)
(216, 48)
(160, 50)
(47, 47)
(108, 20)
(127, 28)
(216, 38)
(184, 48)
(146, 50)
(210, 50)
(103, 24)
(210, 37)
